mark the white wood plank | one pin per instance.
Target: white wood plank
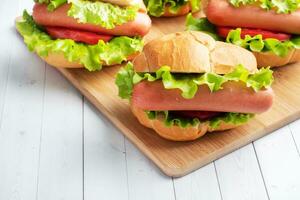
(280, 164)
(145, 181)
(295, 130)
(201, 184)
(8, 11)
(240, 177)
(22, 115)
(104, 158)
(61, 155)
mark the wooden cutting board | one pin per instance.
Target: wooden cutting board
(179, 158)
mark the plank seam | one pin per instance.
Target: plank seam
(218, 181)
(5, 89)
(174, 190)
(83, 146)
(292, 133)
(260, 170)
(41, 133)
(126, 167)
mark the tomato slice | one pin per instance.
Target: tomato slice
(77, 35)
(224, 31)
(202, 115)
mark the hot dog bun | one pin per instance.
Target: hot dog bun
(176, 133)
(140, 26)
(222, 13)
(270, 59)
(181, 51)
(58, 59)
(189, 52)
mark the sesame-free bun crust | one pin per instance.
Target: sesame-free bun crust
(175, 133)
(58, 60)
(265, 59)
(193, 52)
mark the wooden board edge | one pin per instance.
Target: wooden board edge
(176, 172)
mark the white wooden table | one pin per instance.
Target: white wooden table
(55, 146)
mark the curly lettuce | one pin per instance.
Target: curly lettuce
(95, 12)
(127, 78)
(281, 6)
(255, 43)
(157, 7)
(52, 4)
(189, 83)
(170, 119)
(201, 24)
(93, 57)
(258, 44)
(99, 13)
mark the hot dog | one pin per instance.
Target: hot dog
(59, 17)
(234, 97)
(270, 30)
(81, 33)
(222, 13)
(182, 94)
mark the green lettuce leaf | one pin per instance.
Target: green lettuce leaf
(99, 13)
(255, 43)
(91, 56)
(201, 24)
(172, 120)
(258, 44)
(281, 6)
(189, 83)
(157, 7)
(52, 4)
(95, 12)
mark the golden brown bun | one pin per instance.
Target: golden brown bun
(58, 59)
(175, 133)
(193, 52)
(265, 59)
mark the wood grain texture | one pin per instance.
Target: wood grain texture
(60, 161)
(178, 159)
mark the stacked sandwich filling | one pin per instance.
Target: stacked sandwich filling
(92, 33)
(245, 23)
(158, 8)
(188, 99)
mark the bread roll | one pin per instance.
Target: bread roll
(189, 52)
(176, 133)
(58, 60)
(265, 59)
(193, 52)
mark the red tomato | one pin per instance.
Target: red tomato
(77, 35)
(202, 115)
(224, 31)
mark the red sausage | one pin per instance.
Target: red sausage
(224, 31)
(222, 13)
(76, 35)
(59, 18)
(234, 97)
